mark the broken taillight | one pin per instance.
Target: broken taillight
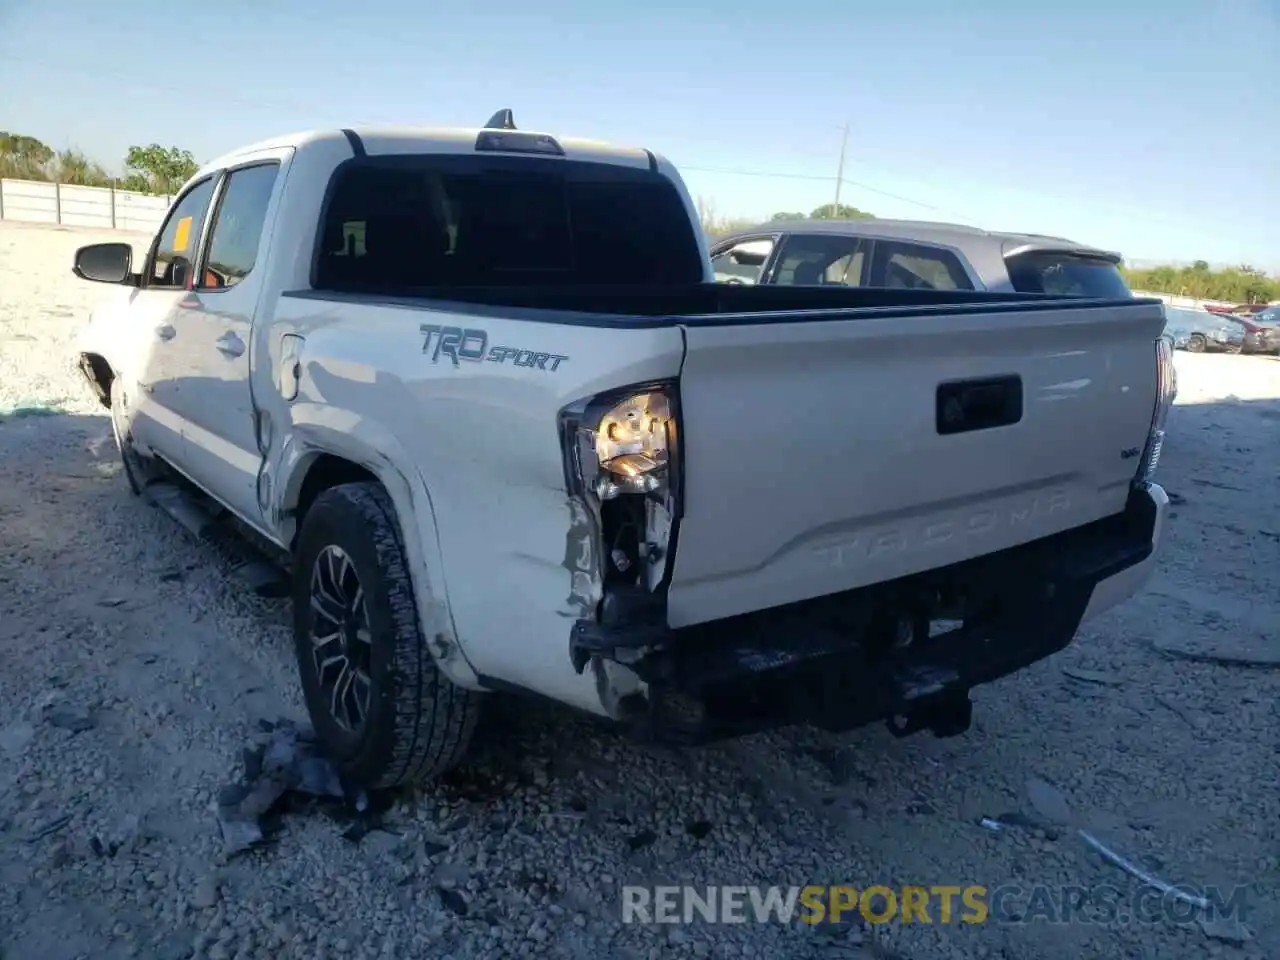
(621, 453)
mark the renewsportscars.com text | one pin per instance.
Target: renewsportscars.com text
(971, 904)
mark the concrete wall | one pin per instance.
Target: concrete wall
(1191, 303)
(98, 207)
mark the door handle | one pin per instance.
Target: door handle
(166, 332)
(230, 345)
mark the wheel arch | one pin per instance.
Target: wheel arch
(321, 462)
(99, 374)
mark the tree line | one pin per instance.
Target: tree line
(714, 225)
(1242, 284)
(148, 169)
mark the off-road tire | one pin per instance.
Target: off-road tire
(419, 724)
(1197, 344)
(136, 469)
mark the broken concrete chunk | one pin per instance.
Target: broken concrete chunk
(1227, 929)
(1092, 676)
(238, 835)
(15, 737)
(262, 796)
(206, 892)
(1048, 801)
(1231, 650)
(70, 717)
(280, 752)
(453, 901)
(318, 778)
(286, 763)
(127, 835)
(433, 847)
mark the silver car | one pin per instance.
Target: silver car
(907, 253)
(1200, 331)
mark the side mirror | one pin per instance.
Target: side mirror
(104, 262)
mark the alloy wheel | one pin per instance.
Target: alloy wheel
(341, 640)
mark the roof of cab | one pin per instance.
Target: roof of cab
(391, 140)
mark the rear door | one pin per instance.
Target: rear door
(820, 456)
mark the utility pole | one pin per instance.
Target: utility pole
(844, 142)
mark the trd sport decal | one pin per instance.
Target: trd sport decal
(464, 343)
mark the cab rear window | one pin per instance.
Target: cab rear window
(413, 222)
(1064, 275)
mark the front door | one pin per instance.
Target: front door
(221, 448)
(155, 317)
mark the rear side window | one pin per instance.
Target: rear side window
(810, 259)
(914, 267)
(237, 226)
(429, 221)
(1065, 275)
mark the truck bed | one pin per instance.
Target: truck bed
(835, 438)
(701, 303)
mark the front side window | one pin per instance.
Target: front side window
(176, 250)
(743, 262)
(237, 225)
(810, 259)
(438, 221)
(915, 267)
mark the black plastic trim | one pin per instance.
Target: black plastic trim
(983, 403)
(357, 145)
(867, 303)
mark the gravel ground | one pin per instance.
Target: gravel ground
(136, 673)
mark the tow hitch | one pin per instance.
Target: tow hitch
(945, 715)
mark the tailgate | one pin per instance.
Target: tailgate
(823, 455)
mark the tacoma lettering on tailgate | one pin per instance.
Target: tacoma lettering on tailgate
(472, 344)
(908, 539)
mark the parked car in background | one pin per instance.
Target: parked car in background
(1202, 331)
(1263, 330)
(914, 255)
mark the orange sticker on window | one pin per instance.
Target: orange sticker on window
(183, 235)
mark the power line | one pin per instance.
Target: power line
(844, 142)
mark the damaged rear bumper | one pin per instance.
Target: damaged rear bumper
(910, 649)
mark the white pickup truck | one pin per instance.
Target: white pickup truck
(477, 396)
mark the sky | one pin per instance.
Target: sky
(1149, 127)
